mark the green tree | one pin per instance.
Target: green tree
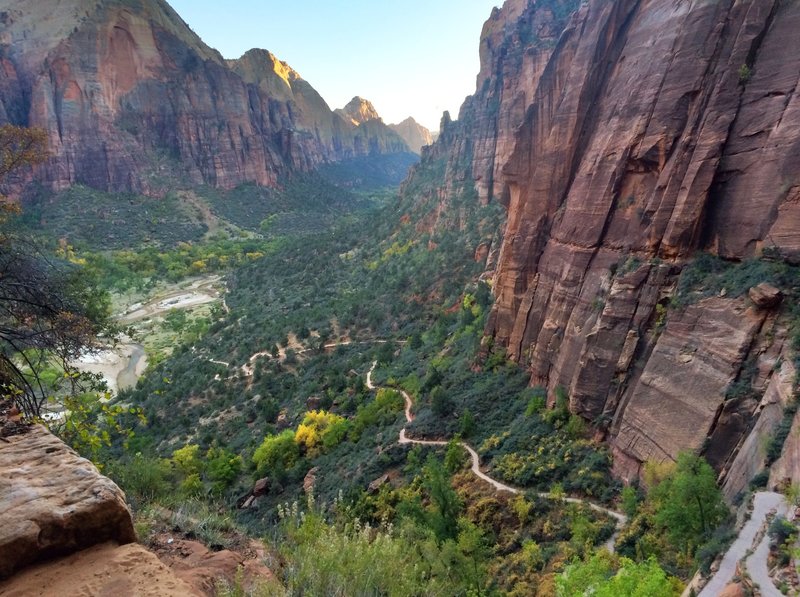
(441, 403)
(442, 515)
(467, 423)
(277, 453)
(222, 468)
(688, 503)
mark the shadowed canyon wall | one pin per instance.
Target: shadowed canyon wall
(623, 139)
(130, 98)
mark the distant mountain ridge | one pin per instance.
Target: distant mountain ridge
(132, 100)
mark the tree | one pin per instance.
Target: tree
(442, 514)
(441, 403)
(688, 503)
(20, 147)
(49, 311)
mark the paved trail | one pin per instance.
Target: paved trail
(476, 465)
(764, 502)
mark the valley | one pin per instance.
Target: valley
(550, 349)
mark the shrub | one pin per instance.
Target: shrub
(277, 453)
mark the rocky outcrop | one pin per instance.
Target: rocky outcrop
(133, 100)
(468, 155)
(53, 502)
(203, 569)
(643, 124)
(413, 133)
(751, 456)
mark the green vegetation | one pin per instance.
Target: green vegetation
(682, 521)
(745, 73)
(273, 390)
(125, 270)
(604, 575)
(256, 394)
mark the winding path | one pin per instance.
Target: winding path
(476, 465)
(764, 503)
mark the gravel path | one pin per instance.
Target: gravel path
(764, 502)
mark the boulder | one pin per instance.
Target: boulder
(378, 483)
(53, 502)
(282, 422)
(261, 487)
(765, 296)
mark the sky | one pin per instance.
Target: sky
(409, 58)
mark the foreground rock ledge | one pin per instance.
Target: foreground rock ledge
(53, 502)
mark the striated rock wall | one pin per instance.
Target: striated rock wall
(132, 99)
(623, 138)
(516, 43)
(657, 129)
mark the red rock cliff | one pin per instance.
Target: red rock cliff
(130, 96)
(658, 129)
(624, 139)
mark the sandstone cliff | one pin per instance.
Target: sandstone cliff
(132, 99)
(413, 133)
(623, 139)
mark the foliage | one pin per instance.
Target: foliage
(778, 438)
(689, 504)
(353, 558)
(20, 147)
(222, 468)
(683, 520)
(320, 430)
(745, 73)
(783, 536)
(51, 313)
(277, 453)
(604, 575)
(91, 424)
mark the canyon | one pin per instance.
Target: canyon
(642, 158)
(132, 100)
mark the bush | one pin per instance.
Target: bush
(277, 453)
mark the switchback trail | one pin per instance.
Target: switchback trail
(764, 503)
(476, 465)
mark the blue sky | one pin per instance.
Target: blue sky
(411, 58)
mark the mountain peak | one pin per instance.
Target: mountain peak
(359, 110)
(413, 133)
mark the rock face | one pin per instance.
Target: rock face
(132, 100)
(53, 502)
(624, 137)
(516, 44)
(413, 133)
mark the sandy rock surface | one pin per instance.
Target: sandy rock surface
(54, 502)
(106, 570)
